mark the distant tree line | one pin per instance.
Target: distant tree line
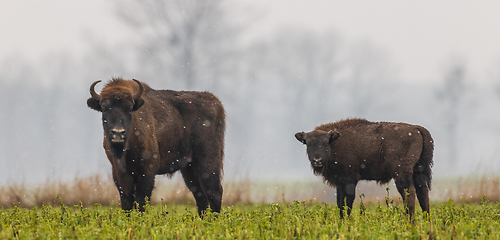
(292, 80)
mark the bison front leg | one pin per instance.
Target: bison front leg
(125, 185)
(340, 200)
(143, 189)
(346, 193)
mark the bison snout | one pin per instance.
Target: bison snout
(317, 162)
(118, 135)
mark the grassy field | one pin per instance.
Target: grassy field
(88, 208)
(297, 220)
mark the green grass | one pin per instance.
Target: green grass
(298, 220)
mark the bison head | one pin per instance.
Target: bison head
(318, 144)
(116, 104)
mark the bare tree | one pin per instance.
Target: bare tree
(303, 65)
(367, 67)
(452, 96)
(495, 77)
(187, 40)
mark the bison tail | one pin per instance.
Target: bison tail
(422, 172)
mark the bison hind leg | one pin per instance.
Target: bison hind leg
(193, 183)
(422, 191)
(422, 182)
(423, 198)
(211, 184)
(407, 190)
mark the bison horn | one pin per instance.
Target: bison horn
(141, 89)
(92, 91)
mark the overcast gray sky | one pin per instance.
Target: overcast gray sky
(418, 36)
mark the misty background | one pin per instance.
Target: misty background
(274, 76)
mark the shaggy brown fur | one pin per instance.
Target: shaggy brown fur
(351, 150)
(149, 132)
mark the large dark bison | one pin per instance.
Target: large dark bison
(149, 132)
(351, 150)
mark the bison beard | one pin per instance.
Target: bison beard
(118, 150)
(170, 133)
(351, 150)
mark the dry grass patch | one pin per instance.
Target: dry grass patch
(96, 189)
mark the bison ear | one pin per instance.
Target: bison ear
(138, 104)
(334, 134)
(94, 104)
(301, 136)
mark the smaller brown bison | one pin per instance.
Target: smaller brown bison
(351, 150)
(149, 132)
